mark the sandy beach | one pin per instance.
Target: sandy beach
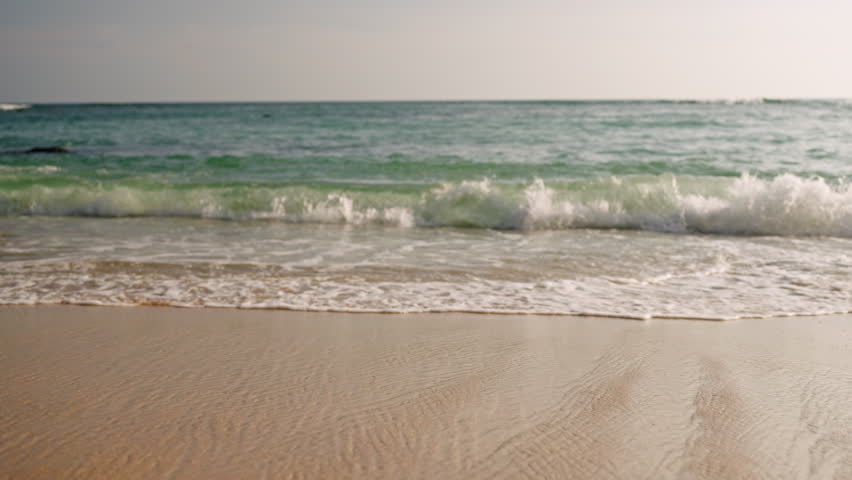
(214, 393)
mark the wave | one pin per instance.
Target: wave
(747, 205)
(785, 205)
(730, 101)
(9, 107)
(687, 101)
(665, 101)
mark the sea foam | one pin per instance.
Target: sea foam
(9, 107)
(748, 205)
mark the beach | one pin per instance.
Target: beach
(425, 240)
(640, 289)
(153, 392)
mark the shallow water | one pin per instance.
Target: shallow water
(637, 209)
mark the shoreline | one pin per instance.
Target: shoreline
(160, 392)
(474, 313)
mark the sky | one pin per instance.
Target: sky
(312, 50)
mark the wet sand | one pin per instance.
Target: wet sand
(170, 393)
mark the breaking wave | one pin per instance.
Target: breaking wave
(748, 205)
(9, 107)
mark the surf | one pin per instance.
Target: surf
(11, 107)
(786, 205)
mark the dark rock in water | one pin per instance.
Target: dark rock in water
(53, 149)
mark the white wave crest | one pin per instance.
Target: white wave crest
(748, 205)
(785, 205)
(725, 101)
(335, 208)
(10, 107)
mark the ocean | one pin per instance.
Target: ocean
(638, 209)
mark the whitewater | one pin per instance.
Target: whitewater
(640, 209)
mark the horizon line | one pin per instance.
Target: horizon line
(483, 100)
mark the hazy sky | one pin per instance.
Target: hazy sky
(193, 50)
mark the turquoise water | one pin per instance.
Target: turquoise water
(631, 208)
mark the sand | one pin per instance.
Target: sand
(204, 393)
